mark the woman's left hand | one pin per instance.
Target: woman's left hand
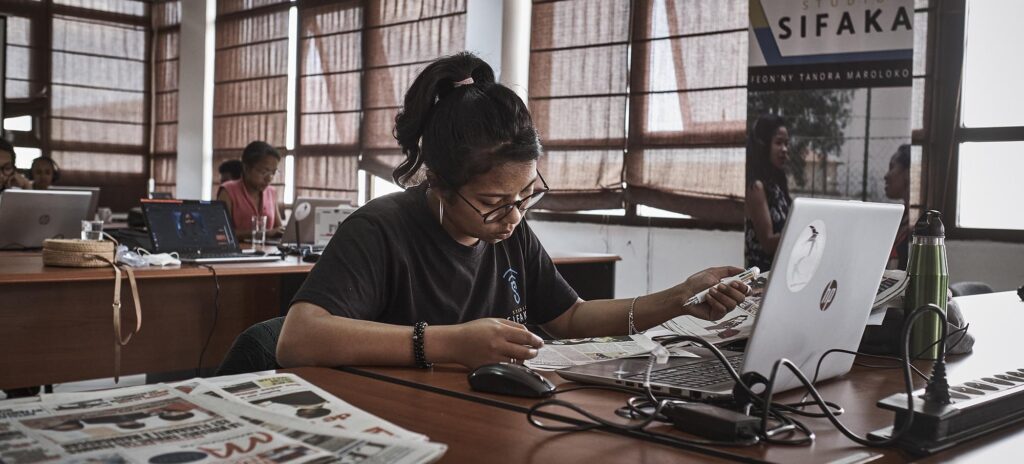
(721, 299)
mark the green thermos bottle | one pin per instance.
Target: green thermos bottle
(928, 282)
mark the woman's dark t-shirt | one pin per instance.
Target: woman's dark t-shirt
(392, 262)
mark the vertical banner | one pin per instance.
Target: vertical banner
(828, 108)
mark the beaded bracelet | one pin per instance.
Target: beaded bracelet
(417, 346)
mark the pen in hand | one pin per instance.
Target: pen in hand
(746, 277)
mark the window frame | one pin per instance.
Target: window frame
(941, 176)
(42, 15)
(920, 137)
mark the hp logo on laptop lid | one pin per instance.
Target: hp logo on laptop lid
(829, 295)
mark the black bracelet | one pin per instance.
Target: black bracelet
(417, 346)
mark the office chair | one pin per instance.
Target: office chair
(254, 350)
(970, 288)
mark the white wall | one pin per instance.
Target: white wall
(652, 258)
(998, 264)
(657, 258)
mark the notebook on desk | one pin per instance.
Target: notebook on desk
(199, 231)
(820, 292)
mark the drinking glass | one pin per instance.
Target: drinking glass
(259, 231)
(92, 230)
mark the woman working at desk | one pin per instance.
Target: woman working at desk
(447, 271)
(253, 195)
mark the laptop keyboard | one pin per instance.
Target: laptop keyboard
(696, 375)
(711, 371)
(221, 255)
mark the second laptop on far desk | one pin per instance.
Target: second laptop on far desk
(199, 231)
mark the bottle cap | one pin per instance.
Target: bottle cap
(930, 225)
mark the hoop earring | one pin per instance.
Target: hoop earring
(440, 210)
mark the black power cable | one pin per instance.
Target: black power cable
(216, 312)
(770, 412)
(897, 434)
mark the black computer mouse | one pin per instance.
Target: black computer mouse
(311, 258)
(510, 379)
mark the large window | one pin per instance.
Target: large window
(641, 106)
(991, 132)
(78, 81)
(251, 80)
(322, 80)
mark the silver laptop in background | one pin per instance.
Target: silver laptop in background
(820, 291)
(27, 217)
(306, 227)
(94, 202)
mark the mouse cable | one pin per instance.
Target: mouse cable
(216, 312)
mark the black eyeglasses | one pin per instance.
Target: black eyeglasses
(500, 212)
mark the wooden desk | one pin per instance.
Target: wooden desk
(481, 433)
(993, 318)
(55, 323)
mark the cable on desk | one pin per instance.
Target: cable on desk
(908, 380)
(774, 421)
(635, 405)
(216, 312)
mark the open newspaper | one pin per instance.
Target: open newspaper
(161, 423)
(557, 354)
(291, 396)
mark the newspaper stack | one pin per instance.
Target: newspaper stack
(269, 418)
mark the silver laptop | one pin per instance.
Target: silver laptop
(303, 231)
(94, 202)
(27, 217)
(823, 282)
(199, 231)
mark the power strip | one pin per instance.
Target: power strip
(978, 407)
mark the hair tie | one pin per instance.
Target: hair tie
(466, 81)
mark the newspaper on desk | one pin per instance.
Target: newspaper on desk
(557, 354)
(161, 423)
(291, 396)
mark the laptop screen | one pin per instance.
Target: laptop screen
(189, 227)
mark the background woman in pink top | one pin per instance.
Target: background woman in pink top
(253, 194)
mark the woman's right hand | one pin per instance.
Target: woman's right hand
(492, 340)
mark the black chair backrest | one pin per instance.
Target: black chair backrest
(970, 288)
(254, 350)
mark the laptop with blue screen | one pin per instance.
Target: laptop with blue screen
(199, 231)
